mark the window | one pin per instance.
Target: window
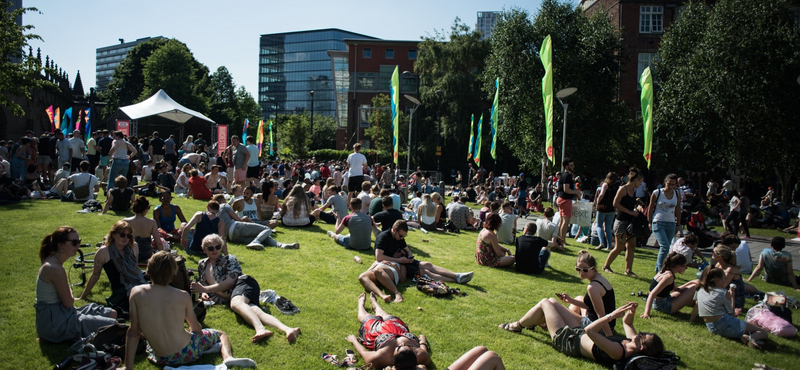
(651, 19)
(645, 60)
(412, 54)
(365, 81)
(386, 77)
(389, 53)
(366, 52)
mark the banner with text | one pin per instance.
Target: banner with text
(124, 126)
(222, 139)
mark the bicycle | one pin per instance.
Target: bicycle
(81, 264)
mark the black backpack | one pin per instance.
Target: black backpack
(111, 339)
(667, 361)
(638, 226)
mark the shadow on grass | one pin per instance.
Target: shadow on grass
(419, 252)
(55, 352)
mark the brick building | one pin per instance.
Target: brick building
(363, 71)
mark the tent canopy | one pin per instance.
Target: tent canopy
(161, 105)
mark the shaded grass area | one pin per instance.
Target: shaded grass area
(321, 279)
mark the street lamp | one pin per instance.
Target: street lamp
(312, 111)
(562, 94)
(439, 93)
(410, 119)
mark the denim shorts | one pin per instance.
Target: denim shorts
(663, 305)
(728, 327)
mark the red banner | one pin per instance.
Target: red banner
(222, 139)
(124, 126)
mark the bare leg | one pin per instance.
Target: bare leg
(375, 307)
(387, 281)
(682, 298)
(362, 311)
(267, 319)
(506, 261)
(368, 280)
(556, 316)
(240, 306)
(618, 247)
(575, 309)
(629, 253)
(478, 358)
(445, 274)
(755, 332)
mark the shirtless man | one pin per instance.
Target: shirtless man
(216, 180)
(164, 310)
(249, 209)
(222, 281)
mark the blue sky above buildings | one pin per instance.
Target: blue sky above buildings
(227, 32)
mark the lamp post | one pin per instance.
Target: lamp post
(562, 94)
(440, 94)
(312, 111)
(410, 119)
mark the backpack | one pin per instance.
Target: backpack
(435, 288)
(111, 340)
(667, 361)
(638, 227)
(92, 204)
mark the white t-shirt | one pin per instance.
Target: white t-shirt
(253, 149)
(78, 147)
(83, 178)
(356, 162)
(665, 208)
(743, 258)
(545, 229)
(5, 167)
(365, 200)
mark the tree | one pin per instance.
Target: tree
(728, 88)
(324, 135)
(19, 73)
(293, 135)
(127, 81)
(173, 69)
(380, 125)
(224, 104)
(451, 63)
(587, 51)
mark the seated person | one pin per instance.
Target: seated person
(338, 204)
(120, 197)
(777, 264)
(427, 213)
(415, 202)
(207, 223)
(182, 183)
(165, 178)
(248, 208)
(57, 318)
(165, 215)
(572, 340)
(389, 215)
(376, 205)
(461, 216)
(297, 210)
(216, 180)
(198, 186)
(507, 230)
(545, 227)
(222, 281)
(390, 245)
(664, 296)
(488, 251)
(478, 358)
(158, 313)
(437, 199)
(384, 340)
(599, 298)
(118, 257)
(239, 231)
(84, 185)
(687, 246)
(145, 230)
(358, 223)
(533, 252)
(268, 201)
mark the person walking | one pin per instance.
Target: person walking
(566, 192)
(666, 213)
(625, 204)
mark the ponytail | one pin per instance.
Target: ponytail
(50, 242)
(673, 260)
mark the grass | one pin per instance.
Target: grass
(321, 279)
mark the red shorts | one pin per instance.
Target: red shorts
(239, 175)
(564, 207)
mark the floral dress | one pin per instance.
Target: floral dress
(485, 255)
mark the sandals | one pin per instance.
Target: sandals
(608, 270)
(760, 345)
(513, 327)
(631, 274)
(333, 359)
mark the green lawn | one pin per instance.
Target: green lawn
(321, 279)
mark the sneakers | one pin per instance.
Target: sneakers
(464, 278)
(331, 234)
(267, 296)
(255, 246)
(291, 246)
(285, 306)
(239, 362)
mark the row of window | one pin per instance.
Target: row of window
(310, 36)
(297, 95)
(295, 67)
(122, 51)
(101, 67)
(388, 53)
(268, 49)
(294, 57)
(383, 80)
(112, 58)
(105, 73)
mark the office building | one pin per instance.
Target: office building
(486, 22)
(293, 64)
(109, 57)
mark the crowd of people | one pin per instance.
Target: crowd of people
(246, 199)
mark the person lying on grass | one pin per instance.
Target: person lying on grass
(715, 304)
(478, 358)
(118, 257)
(254, 235)
(598, 300)
(222, 281)
(384, 340)
(390, 245)
(57, 318)
(572, 340)
(386, 273)
(664, 296)
(158, 312)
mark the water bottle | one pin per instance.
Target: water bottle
(357, 259)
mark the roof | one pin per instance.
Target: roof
(160, 104)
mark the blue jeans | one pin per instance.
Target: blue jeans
(605, 222)
(664, 232)
(119, 167)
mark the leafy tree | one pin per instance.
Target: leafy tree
(127, 81)
(173, 69)
(586, 54)
(19, 73)
(224, 105)
(380, 125)
(451, 63)
(293, 134)
(729, 88)
(324, 135)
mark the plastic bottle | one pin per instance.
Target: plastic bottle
(357, 259)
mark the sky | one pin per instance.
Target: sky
(226, 32)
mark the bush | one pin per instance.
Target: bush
(341, 155)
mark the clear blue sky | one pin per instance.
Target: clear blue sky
(226, 32)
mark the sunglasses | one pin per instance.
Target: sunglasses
(578, 269)
(75, 242)
(211, 248)
(123, 235)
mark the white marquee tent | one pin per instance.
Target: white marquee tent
(161, 105)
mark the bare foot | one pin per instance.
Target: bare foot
(260, 335)
(362, 299)
(373, 300)
(398, 297)
(386, 298)
(292, 334)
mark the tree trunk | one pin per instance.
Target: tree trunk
(785, 180)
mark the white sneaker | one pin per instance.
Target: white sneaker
(331, 234)
(255, 246)
(239, 362)
(464, 278)
(290, 246)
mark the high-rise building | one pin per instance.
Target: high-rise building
(14, 5)
(293, 64)
(109, 57)
(486, 22)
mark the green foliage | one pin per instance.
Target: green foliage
(728, 88)
(224, 105)
(293, 135)
(341, 155)
(173, 69)
(324, 135)
(127, 81)
(17, 78)
(587, 51)
(451, 63)
(380, 125)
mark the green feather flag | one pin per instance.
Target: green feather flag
(546, 55)
(477, 153)
(646, 81)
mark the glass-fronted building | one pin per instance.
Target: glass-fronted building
(109, 57)
(293, 64)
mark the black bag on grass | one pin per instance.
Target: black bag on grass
(667, 361)
(111, 339)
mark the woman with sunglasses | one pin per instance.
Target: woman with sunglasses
(571, 339)
(145, 230)
(165, 215)
(118, 258)
(57, 318)
(664, 296)
(599, 298)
